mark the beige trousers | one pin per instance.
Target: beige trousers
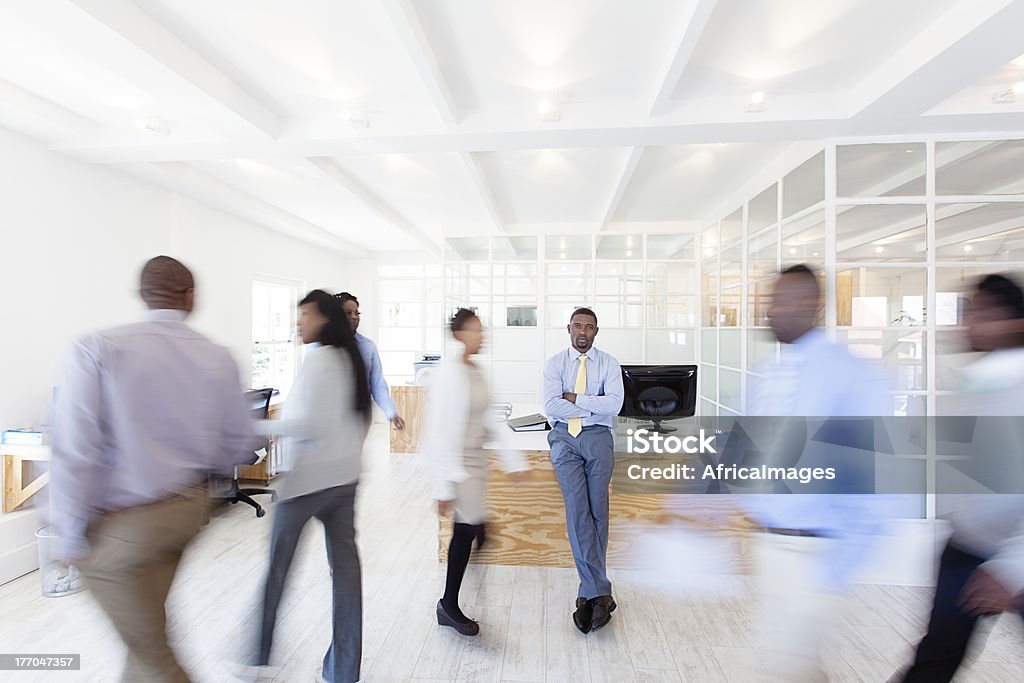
(796, 611)
(134, 554)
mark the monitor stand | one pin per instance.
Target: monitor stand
(658, 428)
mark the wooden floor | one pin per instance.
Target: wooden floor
(526, 632)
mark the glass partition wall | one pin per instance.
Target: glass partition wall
(898, 230)
(642, 287)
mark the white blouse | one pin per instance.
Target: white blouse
(443, 439)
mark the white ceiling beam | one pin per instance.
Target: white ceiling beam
(463, 141)
(187, 180)
(407, 24)
(19, 98)
(632, 161)
(367, 198)
(151, 39)
(981, 232)
(967, 43)
(695, 19)
(483, 189)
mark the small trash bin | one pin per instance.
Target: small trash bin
(57, 577)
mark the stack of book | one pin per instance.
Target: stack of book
(22, 437)
(529, 423)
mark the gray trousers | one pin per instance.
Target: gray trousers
(583, 466)
(335, 507)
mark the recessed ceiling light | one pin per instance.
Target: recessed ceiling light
(792, 250)
(879, 250)
(1018, 87)
(815, 254)
(629, 253)
(757, 103)
(968, 247)
(354, 118)
(910, 151)
(547, 111)
(153, 126)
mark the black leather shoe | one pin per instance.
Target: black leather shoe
(602, 607)
(581, 617)
(466, 628)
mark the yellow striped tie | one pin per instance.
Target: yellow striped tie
(576, 423)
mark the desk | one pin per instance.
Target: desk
(527, 520)
(409, 401)
(266, 469)
(16, 491)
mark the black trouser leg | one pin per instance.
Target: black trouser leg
(943, 647)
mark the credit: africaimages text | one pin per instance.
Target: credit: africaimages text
(643, 441)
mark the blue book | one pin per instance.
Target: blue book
(22, 437)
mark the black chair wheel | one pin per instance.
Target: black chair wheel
(260, 512)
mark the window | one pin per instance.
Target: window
(412, 318)
(274, 337)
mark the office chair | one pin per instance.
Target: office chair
(259, 403)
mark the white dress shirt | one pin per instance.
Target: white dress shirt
(603, 399)
(142, 411)
(991, 525)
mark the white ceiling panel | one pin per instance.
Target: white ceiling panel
(553, 185)
(670, 183)
(304, 57)
(786, 47)
(567, 51)
(435, 189)
(301, 190)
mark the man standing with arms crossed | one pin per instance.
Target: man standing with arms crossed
(582, 394)
(371, 359)
(145, 412)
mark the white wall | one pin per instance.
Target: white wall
(73, 238)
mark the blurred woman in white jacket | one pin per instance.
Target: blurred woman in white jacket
(457, 424)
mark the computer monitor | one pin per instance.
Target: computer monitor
(258, 401)
(659, 392)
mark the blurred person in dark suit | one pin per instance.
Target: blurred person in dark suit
(981, 570)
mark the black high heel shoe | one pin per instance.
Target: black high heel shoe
(466, 628)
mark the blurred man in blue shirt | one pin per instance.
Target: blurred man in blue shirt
(582, 394)
(145, 413)
(812, 543)
(371, 359)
